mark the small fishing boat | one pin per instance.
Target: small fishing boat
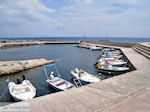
(83, 45)
(111, 56)
(76, 45)
(112, 69)
(107, 49)
(57, 82)
(83, 76)
(93, 47)
(23, 91)
(108, 58)
(112, 62)
(112, 53)
(88, 46)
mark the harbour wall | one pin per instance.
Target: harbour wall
(13, 43)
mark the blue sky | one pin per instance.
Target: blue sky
(95, 18)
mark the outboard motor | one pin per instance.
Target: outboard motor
(18, 80)
(52, 75)
(23, 78)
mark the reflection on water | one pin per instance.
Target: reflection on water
(70, 56)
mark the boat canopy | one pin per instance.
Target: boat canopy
(48, 66)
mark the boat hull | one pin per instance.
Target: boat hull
(82, 81)
(112, 72)
(54, 87)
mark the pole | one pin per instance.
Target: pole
(84, 37)
(57, 71)
(46, 73)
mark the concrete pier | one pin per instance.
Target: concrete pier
(12, 43)
(124, 93)
(8, 67)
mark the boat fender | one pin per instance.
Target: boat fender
(99, 65)
(100, 74)
(109, 73)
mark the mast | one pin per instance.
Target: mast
(84, 36)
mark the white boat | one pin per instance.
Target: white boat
(109, 67)
(83, 45)
(88, 46)
(111, 56)
(23, 91)
(57, 82)
(107, 49)
(83, 76)
(76, 45)
(112, 53)
(112, 62)
(93, 47)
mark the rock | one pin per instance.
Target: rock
(9, 67)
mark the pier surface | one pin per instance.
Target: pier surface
(129, 92)
(145, 44)
(8, 67)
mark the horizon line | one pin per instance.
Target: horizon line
(70, 37)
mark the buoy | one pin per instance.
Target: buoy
(99, 65)
(100, 73)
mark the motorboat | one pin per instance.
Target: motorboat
(111, 56)
(93, 47)
(57, 82)
(22, 91)
(107, 49)
(112, 62)
(83, 45)
(112, 69)
(83, 76)
(108, 58)
(112, 53)
(77, 45)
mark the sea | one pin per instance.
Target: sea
(112, 39)
(68, 56)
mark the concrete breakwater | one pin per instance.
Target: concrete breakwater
(8, 67)
(113, 44)
(12, 43)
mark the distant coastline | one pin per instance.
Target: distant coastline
(113, 39)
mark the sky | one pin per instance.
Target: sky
(73, 18)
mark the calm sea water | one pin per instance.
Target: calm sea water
(70, 56)
(113, 39)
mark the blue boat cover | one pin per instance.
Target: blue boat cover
(47, 66)
(107, 54)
